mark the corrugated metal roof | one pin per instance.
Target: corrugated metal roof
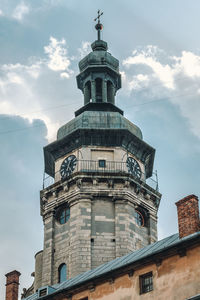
(120, 262)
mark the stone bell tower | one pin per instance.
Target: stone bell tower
(100, 204)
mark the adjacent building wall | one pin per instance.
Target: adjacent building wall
(177, 278)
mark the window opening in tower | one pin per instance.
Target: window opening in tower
(98, 90)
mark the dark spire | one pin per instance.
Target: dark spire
(98, 26)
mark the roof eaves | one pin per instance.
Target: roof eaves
(145, 255)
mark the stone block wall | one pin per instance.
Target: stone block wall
(102, 232)
(38, 270)
(48, 251)
(80, 237)
(101, 227)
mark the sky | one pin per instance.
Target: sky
(41, 43)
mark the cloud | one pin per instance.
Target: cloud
(32, 70)
(1, 13)
(155, 75)
(85, 49)
(18, 94)
(20, 11)
(21, 160)
(57, 54)
(148, 57)
(37, 98)
(64, 75)
(188, 63)
(28, 90)
(138, 81)
(149, 73)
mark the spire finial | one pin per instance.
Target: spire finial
(99, 26)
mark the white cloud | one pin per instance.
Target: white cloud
(138, 81)
(18, 96)
(33, 70)
(64, 75)
(58, 59)
(155, 74)
(148, 57)
(27, 90)
(85, 49)
(1, 13)
(188, 63)
(20, 11)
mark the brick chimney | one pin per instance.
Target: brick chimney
(12, 285)
(188, 215)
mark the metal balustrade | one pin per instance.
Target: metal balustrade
(93, 166)
(110, 167)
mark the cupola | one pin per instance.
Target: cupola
(99, 77)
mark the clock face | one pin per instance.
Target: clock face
(133, 167)
(68, 166)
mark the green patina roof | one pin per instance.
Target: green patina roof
(99, 57)
(98, 120)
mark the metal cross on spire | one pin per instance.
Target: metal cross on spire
(99, 15)
(99, 26)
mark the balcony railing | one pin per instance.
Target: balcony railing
(107, 168)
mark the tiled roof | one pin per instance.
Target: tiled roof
(120, 262)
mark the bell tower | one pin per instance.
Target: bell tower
(98, 201)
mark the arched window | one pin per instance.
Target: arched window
(63, 215)
(109, 91)
(98, 89)
(139, 218)
(62, 273)
(87, 92)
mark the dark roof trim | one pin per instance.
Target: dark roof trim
(197, 297)
(98, 106)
